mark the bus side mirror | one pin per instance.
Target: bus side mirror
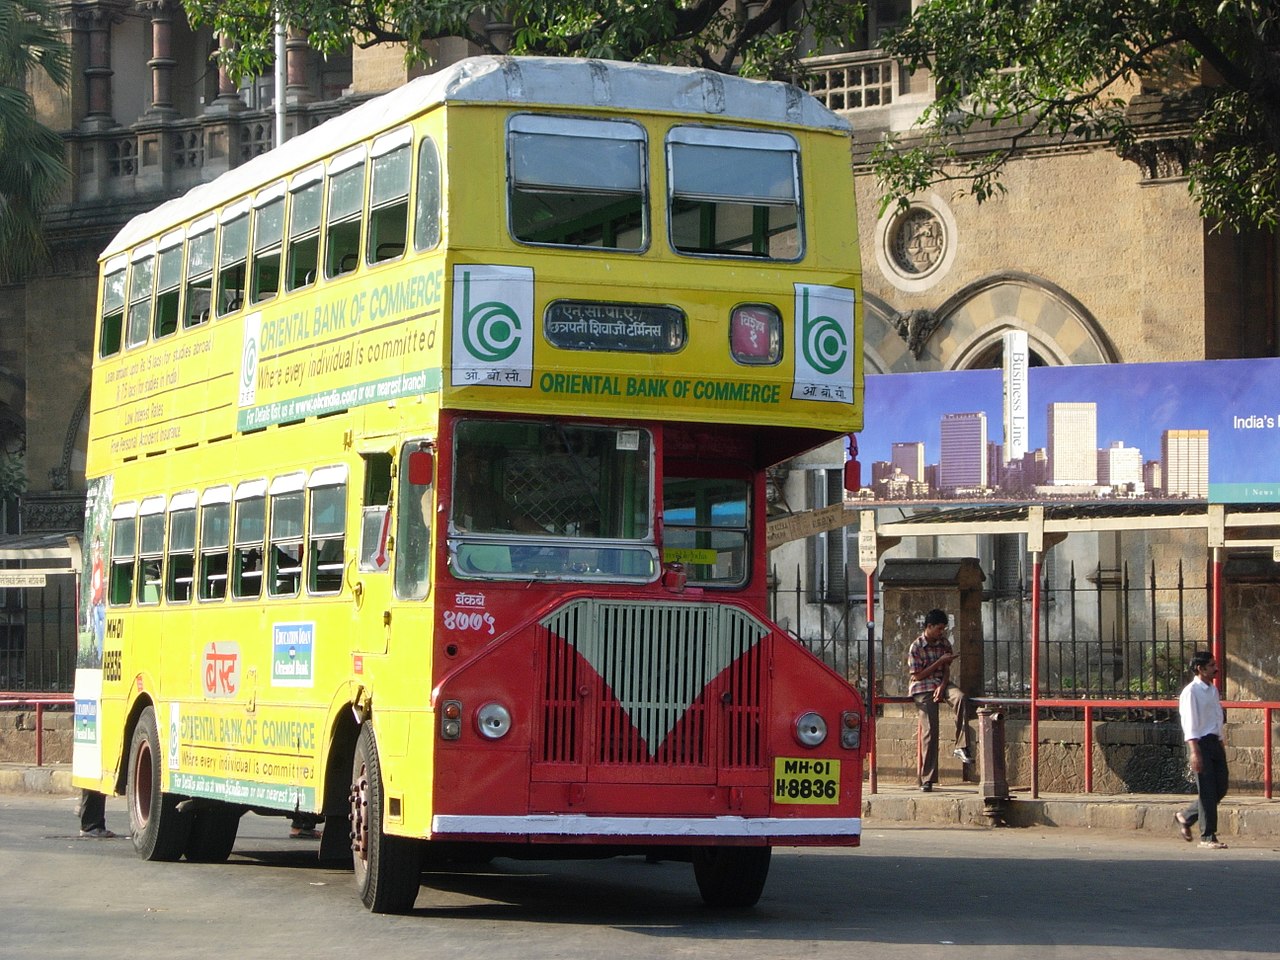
(421, 468)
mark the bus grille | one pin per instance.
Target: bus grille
(671, 682)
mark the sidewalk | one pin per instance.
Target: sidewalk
(959, 804)
(1238, 816)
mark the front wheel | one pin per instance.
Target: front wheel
(387, 869)
(731, 876)
(160, 830)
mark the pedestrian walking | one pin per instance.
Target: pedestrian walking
(1200, 710)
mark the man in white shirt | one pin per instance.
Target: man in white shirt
(1200, 711)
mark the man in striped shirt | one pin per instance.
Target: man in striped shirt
(929, 661)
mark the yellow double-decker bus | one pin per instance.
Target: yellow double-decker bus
(427, 481)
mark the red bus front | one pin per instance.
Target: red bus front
(605, 672)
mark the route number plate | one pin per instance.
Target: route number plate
(797, 780)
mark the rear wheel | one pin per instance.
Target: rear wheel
(387, 869)
(213, 834)
(731, 876)
(160, 830)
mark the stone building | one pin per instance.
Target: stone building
(1098, 258)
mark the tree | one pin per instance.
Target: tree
(1032, 71)
(767, 42)
(32, 165)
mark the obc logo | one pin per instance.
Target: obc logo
(491, 330)
(823, 339)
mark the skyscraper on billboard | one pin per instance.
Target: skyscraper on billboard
(963, 464)
(1184, 455)
(1073, 444)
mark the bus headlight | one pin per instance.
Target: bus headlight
(451, 720)
(494, 721)
(851, 729)
(810, 729)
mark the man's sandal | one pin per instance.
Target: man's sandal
(1183, 827)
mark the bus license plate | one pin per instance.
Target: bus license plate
(805, 781)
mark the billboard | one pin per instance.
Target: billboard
(1194, 431)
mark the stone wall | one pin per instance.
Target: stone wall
(1094, 242)
(18, 735)
(1128, 757)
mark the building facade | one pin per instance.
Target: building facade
(1098, 258)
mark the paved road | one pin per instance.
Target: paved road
(910, 892)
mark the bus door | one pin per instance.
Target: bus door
(395, 542)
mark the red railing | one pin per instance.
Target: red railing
(39, 701)
(1268, 708)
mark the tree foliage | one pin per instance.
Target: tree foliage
(32, 165)
(720, 36)
(1019, 72)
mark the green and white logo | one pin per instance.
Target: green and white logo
(249, 359)
(824, 341)
(492, 326)
(824, 335)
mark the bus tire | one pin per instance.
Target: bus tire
(213, 834)
(159, 828)
(731, 877)
(388, 870)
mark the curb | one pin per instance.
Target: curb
(50, 780)
(1253, 817)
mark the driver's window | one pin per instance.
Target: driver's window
(706, 527)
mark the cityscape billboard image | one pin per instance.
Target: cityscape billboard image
(1199, 431)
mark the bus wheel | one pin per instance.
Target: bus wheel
(159, 828)
(388, 869)
(731, 876)
(213, 834)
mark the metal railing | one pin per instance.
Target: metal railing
(1111, 636)
(56, 700)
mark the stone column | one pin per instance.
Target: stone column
(161, 62)
(297, 56)
(228, 98)
(96, 22)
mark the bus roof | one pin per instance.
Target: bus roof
(543, 81)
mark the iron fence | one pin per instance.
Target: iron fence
(38, 637)
(1107, 635)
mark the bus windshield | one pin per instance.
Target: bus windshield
(552, 500)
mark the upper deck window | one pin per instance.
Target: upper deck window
(168, 285)
(389, 196)
(306, 201)
(232, 262)
(346, 204)
(268, 239)
(112, 324)
(141, 282)
(577, 183)
(734, 193)
(426, 218)
(199, 274)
